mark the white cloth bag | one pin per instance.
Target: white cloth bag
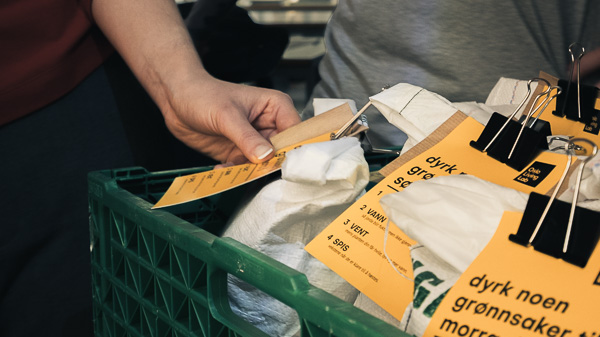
(319, 182)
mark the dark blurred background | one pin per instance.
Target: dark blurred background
(269, 43)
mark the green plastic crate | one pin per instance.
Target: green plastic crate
(164, 273)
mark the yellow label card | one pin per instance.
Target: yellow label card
(204, 184)
(353, 244)
(567, 127)
(510, 290)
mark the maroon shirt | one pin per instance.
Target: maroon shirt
(47, 47)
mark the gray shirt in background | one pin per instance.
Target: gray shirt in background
(456, 48)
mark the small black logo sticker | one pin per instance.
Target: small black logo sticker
(597, 282)
(535, 174)
(592, 127)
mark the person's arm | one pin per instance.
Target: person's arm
(226, 121)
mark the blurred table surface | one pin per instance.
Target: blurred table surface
(305, 20)
(289, 13)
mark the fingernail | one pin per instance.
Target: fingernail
(265, 150)
(224, 165)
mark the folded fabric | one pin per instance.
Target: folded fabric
(467, 213)
(367, 305)
(589, 188)
(412, 109)
(478, 111)
(418, 112)
(433, 278)
(593, 205)
(325, 162)
(319, 182)
(509, 91)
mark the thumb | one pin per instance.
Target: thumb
(252, 144)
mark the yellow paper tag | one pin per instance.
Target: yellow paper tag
(352, 245)
(204, 184)
(511, 290)
(564, 126)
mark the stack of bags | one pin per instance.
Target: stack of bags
(319, 181)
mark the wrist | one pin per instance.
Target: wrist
(172, 78)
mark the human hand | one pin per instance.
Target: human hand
(228, 122)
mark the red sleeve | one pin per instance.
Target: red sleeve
(48, 47)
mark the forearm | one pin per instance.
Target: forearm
(151, 37)
(229, 122)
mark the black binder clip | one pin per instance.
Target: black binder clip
(577, 105)
(518, 143)
(557, 228)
